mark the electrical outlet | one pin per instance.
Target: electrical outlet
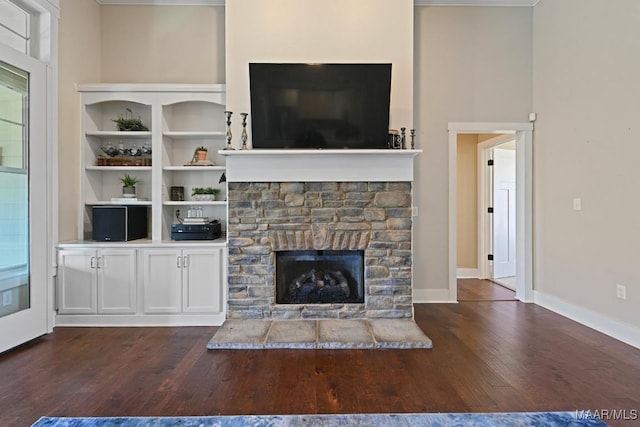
(414, 211)
(7, 298)
(621, 291)
(577, 204)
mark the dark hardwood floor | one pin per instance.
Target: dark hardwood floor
(483, 290)
(487, 356)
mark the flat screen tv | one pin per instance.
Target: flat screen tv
(320, 106)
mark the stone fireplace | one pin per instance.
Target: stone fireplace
(266, 218)
(324, 261)
(350, 201)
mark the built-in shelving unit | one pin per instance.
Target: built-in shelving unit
(154, 280)
(180, 118)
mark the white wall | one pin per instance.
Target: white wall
(587, 145)
(320, 31)
(473, 64)
(78, 62)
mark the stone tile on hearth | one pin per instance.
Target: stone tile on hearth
(398, 333)
(240, 334)
(352, 334)
(292, 334)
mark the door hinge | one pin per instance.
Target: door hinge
(490, 162)
(490, 210)
(490, 257)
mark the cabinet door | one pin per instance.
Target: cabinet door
(162, 280)
(77, 281)
(116, 270)
(202, 287)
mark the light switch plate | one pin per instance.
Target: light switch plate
(577, 204)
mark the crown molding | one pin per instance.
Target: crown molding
(523, 3)
(526, 3)
(163, 2)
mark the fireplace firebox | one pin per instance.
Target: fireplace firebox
(319, 277)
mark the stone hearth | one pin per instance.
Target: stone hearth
(265, 217)
(250, 334)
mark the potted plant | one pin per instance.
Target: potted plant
(127, 122)
(205, 193)
(200, 154)
(129, 186)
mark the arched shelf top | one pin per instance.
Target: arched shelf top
(195, 102)
(120, 99)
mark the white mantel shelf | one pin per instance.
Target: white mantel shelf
(319, 165)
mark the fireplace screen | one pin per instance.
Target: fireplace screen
(315, 277)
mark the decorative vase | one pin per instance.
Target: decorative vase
(129, 192)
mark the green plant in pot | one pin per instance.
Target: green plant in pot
(129, 186)
(200, 154)
(127, 122)
(205, 193)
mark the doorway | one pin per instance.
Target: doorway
(497, 210)
(522, 134)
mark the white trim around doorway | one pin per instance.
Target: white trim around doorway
(523, 133)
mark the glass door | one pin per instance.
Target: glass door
(23, 224)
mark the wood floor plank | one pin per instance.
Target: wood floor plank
(487, 356)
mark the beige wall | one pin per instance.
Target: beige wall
(321, 31)
(473, 64)
(586, 94)
(467, 199)
(162, 44)
(79, 62)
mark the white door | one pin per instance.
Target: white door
(116, 269)
(202, 284)
(77, 281)
(504, 213)
(162, 280)
(23, 222)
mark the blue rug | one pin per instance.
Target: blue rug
(515, 419)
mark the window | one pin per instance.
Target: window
(15, 27)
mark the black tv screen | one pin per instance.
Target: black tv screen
(320, 106)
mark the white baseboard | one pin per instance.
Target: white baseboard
(147, 320)
(618, 330)
(467, 273)
(432, 296)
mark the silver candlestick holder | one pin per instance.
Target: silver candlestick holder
(403, 138)
(412, 132)
(244, 131)
(229, 134)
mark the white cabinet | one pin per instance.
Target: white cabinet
(202, 280)
(97, 281)
(182, 280)
(162, 280)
